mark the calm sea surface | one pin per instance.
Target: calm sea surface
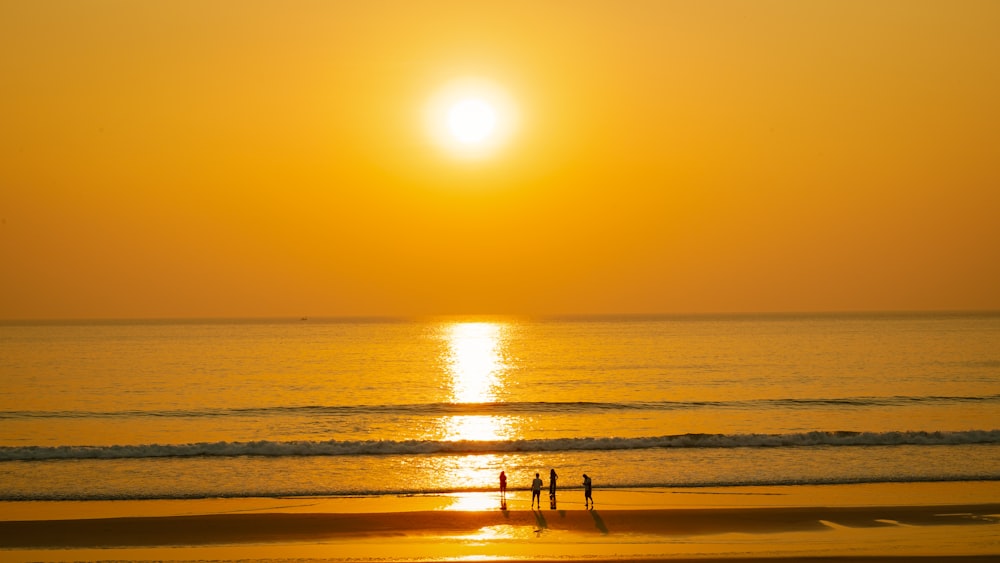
(192, 409)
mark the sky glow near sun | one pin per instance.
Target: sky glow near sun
(600, 160)
(471, 117)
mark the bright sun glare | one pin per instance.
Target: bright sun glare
(471, 121)
(471, 117)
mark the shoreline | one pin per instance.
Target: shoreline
(272, 527)
(887, 522)
(860, 494)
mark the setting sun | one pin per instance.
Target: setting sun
(471, 121)
(471, 117)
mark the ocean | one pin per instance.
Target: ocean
(326, 407)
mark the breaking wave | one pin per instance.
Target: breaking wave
(424, 447)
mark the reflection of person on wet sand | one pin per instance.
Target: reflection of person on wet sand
(588, 500)
(552, 488)
(503, 491)
(536, 491)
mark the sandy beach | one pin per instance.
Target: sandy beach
(919, 522)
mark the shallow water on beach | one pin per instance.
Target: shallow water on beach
(191, 409)
(943, 520)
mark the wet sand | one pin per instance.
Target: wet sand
(918, 522)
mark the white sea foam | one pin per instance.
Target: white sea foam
(414, 447)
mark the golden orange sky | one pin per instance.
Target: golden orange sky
(265, 158)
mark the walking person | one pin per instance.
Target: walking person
(536, 491)
(588, 499)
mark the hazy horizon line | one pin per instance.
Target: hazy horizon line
(484, 317)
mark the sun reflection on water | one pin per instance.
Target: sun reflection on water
(477, 370)
(479, 427)
(471, 502)
(475, 361)
(473, 480)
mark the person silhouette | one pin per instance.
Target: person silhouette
(503, 485)
(552, 488)
(587, 492)
(536, 491)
